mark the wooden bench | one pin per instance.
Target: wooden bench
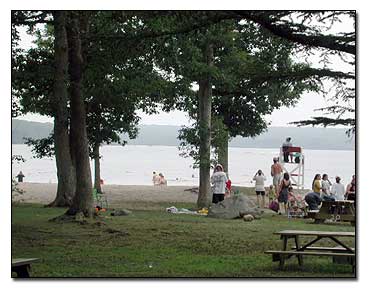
(277, 255)
(329, 249)
(339, 210)
(338, 257)
(22, 266)
(342, 253)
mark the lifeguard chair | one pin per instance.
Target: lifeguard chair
(295, 168)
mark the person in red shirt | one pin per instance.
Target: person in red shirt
(228, 188)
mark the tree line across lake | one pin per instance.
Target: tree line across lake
(167, 135)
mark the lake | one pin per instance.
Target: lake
(134, 164)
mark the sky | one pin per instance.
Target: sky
(303, 110)
(279, 118)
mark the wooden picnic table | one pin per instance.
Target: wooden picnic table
(339, 210)
(21, 266)
(340, 250)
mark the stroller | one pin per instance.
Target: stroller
(296, 207)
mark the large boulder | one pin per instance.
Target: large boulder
(234, 207)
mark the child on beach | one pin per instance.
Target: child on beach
(162, 180)
(292, 201)
(273, 201)
(155, 178)
(271, 194)
(296, 205)
(228, 188)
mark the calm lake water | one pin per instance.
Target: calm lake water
(134, 164)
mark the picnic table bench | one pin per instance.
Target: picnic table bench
(339, 210)
(22, 266)
(340, 252)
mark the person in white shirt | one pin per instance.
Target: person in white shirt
(260, 188)
(326, 192)
(338, 190)
(218, 181)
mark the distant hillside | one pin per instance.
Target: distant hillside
(26, 129)
(307, 137)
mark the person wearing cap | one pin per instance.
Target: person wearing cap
(218, 181)
(338, 189)
(276, 172)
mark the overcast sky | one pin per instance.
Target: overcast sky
(302, 111)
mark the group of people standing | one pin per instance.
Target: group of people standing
(282, 190)
(281, 183)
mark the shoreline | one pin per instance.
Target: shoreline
(45, 193)
(119, 195)
(122, 195)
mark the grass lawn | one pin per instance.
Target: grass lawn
(153, 243)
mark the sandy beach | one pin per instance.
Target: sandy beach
(44, 193)
(132, 196)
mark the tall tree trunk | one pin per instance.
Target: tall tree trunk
(205, 98)
(222, 151)
(64, 166)
(96, 157)
(82, 201)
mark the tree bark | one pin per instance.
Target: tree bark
(64, 166)
(222, 151)
(205, 100)
(96, 157)
(82, 201)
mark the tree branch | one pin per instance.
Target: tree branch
(284, 31)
